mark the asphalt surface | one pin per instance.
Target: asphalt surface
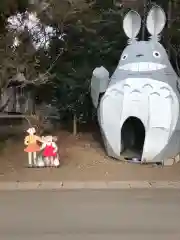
(87, 215)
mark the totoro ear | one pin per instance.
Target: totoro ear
(156, 21)
(132, 24)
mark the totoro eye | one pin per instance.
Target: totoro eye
(156, 54)
(124, 56)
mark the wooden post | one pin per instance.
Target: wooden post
(74, 125)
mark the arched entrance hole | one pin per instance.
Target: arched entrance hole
(132, 137)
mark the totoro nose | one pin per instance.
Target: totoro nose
(139, 55)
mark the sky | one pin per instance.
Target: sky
(41, 34)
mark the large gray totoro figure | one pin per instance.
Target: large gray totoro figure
(145, 86)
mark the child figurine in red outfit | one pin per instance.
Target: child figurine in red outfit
(50, 150)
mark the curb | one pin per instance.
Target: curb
(73, 185)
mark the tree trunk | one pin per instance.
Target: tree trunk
(74, 125)
(2, 108)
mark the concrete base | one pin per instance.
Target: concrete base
(169, 162)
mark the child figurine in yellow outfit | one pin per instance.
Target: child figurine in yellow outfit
(32, 146)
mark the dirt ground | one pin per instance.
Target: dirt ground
(82, 158)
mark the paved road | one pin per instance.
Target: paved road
(88, 215)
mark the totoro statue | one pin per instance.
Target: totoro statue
(144, 86)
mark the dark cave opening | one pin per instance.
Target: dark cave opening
(132, 137)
